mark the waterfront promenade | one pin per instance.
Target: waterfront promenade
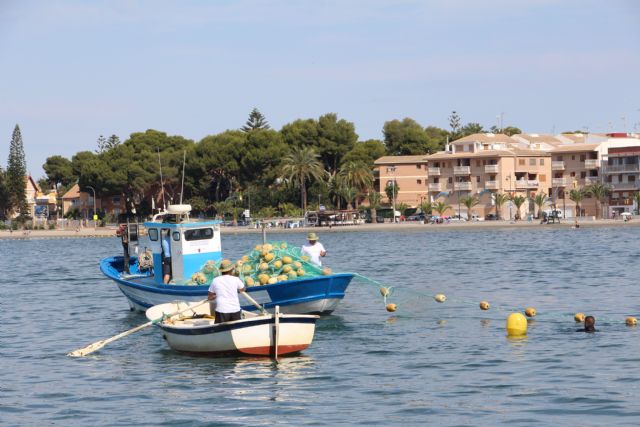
(90, 232)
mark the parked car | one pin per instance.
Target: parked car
(456, 218)
(490, 217)
(475, 217)
(416, 217)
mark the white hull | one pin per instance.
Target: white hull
(254, 334)
(141, 300)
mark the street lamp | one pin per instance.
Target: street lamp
(95, 215)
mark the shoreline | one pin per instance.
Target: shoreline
(104, 232)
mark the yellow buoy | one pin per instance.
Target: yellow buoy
(484, 305)
(391, 307)
(264, 266)
(516, 325)
(384, 291)
(263, 278)
(326, 271)
(268, 257)
(440, 298)
(286, 269)
(249, 281)
(272, 280)
(631, 321)
(277, 264)
(530, 312)
(286, 259)
(579, 317)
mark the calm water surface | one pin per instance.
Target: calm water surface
(441, 364)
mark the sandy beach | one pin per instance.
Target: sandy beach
(403, 226)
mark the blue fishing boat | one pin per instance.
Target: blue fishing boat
(192, 245)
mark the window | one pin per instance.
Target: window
(532, 162)
(436, 180)
(573, 174)
(418, 166)
(450, 180)
(542, 178)
(419, 181)
(573, 157)
(583, 175)
(198, 234)
(520, 162)
(632, 178)
(115, 200)
(153, 234)
(582, 157)
(558, 158)
(478, 178)
(541, 162)
(477, 162)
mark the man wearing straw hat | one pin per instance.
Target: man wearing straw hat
(224, 291)
(314, 249)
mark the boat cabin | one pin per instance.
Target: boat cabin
(191, 243)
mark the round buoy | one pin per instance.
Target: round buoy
(579, 317)
(484, 305)
(384, 291)
(440, 298)
(530, 312)
(516, 325)
(391, 307)
(631, 321)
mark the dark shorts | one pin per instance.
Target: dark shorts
(227, 317)
(166, 266)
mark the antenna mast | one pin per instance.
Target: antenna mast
(184, 159)
(164, 205)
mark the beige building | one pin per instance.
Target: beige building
(527, 165)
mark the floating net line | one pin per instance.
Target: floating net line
(387, 292)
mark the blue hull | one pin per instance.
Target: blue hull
(316, 295)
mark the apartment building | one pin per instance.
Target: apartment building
(622, 175)
(409, 174)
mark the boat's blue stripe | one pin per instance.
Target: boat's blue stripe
(222, 327)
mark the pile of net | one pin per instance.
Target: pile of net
(266, 264)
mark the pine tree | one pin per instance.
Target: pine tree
(256, 121)
(113, 142)
(4, 194)
(102, 144)
(16, 172)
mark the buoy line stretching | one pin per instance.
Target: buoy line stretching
(386, 291)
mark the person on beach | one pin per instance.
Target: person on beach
(314, 249)
(224, 291)
(166, 257)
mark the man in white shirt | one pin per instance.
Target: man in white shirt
(314, 249)
(224, 291)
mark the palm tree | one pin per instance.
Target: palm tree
(441, 207)
(348, 193)
(518, 201)
(599, 191)
(500, 199)
(356, 175)
(470, 202)
(577, 196)
(427, 208)
(374, 203)
(302, 165)
(540, 200)
(402, 207)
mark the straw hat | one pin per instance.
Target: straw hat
(312, 236)
(226, 265)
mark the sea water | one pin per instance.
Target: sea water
(427, 363)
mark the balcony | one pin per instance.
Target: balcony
(626, 186)
(491, 185)
(433, 171)
(490, 168)
(559, 182)
(435, 186)
(526, 183)
(591, 164)
(466, 186)
(591, 180)
(557, 166)
(623, 168)
(462, 170)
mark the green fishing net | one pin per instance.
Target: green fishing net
(266, 264)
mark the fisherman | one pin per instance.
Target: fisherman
(224, 291)
(123, 232)
(314, 249)
(166, 257)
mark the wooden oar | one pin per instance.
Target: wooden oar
(254, 302)
(99, 344)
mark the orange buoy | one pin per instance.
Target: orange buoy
(530, 312)
(484, 305)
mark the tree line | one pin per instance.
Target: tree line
(306, 163)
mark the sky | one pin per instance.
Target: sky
(71, 71)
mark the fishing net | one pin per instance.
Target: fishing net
(266, 264)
